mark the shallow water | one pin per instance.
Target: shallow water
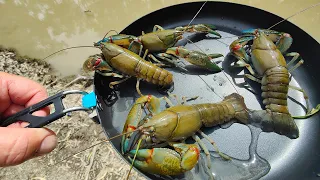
(38, 29)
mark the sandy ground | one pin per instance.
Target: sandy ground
(75, 133)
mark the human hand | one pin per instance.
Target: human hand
(18, 144)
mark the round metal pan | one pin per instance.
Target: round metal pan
(289, 159)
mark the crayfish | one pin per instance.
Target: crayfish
(119, 62)
(267, 65)
(163, 40)
(170, 127)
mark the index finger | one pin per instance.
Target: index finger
(19, 91)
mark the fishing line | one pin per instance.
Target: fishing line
(307, 8)
(112, 30)
(103, 141)
(74, 47)
(312, 6)
(202, 51)
(197, 13)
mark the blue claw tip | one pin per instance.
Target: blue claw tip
(248, 31)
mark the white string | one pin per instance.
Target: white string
(312, 6)
(197, 13)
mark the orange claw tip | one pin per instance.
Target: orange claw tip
(190, 158)
(131, 128)
(196, 150)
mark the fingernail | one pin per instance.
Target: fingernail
(47, 145)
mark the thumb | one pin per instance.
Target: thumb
(20, 144)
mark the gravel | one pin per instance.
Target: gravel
(75, 133)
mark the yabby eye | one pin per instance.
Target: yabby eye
(97, 62)
(237, 47)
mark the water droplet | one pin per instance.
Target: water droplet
(214, 77)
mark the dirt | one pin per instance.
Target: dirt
(75, 133)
